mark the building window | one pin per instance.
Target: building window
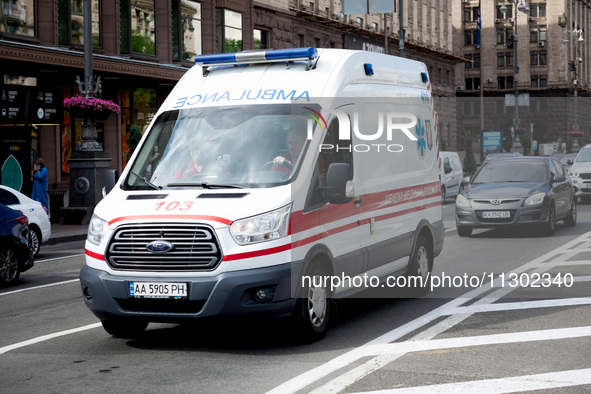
(470, 37)
(542, 9)
(476, 58)
(500, 36)
(261, 40)
(468, 64)
(186, 30)
(533, 58)
(501, 59)
(538, 33)
(533, 10)
(543, 59)
(137, 23)
(18, 17)
(504, 15)
(509, 59)
(539, 81)
(472, 83)
(505, 82)
(229, 30)
(71, 23)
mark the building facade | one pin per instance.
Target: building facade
(528, 37)
(141, 48)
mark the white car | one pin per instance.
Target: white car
(451, 174)
(39, 223)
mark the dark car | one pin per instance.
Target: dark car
(15, 254)
(517, 191)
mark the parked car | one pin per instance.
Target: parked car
(517, 191)
(451, 174)
(566, 159)
(15, 254)
(39, 223)
(580, 173)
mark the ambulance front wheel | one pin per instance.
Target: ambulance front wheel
(128, 329)
(421, 265)
(314, 307)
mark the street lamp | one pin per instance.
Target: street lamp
(573, 65)
(522, 7)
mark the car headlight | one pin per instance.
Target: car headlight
(261, 228)
(573, 174)
(536, 199)
(96, 230)
(462, 201)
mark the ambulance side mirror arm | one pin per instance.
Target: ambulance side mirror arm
(339, 187)
(111, 177)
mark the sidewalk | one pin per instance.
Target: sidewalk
(66, 233)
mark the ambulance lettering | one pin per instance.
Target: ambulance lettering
(250, 95)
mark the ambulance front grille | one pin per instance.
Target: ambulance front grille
(192, 247)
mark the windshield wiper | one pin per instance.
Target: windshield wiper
(147, 182)
(204, 185)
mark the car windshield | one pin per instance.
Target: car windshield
(221, 147)
(498, 171)
(584, 155)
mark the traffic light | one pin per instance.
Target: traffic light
(510, 41)
(572, 66)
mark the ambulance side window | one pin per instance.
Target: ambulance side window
(332, 151)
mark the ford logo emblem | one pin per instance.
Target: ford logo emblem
(159, 246)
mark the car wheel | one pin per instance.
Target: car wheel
(420, 267)
(35, 244)
(443, 194)
(550, 226)
(571, 218)
(9, 268)
(313, 309)
(125, 328)
(464, 231)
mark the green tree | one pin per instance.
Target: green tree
(469, 160)
(559, 146)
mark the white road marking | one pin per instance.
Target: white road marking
(515, 384)
(452, 309)
(47, 337)
(40, 287)
(59, 258)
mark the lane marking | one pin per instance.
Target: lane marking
(59, 258)
(40, 287)
(48, 337)
(341, 382)
(515, 384)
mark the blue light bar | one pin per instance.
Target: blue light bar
(271, 55)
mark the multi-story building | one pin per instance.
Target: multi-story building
(142, 47)
(524, 39)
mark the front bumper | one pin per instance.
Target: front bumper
(227, 294)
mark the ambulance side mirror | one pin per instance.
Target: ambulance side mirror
(111, 177)
(338, 178)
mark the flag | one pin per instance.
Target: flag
(478, 27)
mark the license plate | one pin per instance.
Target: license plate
(157, 290)
(496, 214)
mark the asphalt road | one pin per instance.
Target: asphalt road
(471, 336)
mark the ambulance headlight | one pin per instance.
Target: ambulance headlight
(96, 230)
(265, 227)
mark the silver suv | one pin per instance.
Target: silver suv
(580, 173)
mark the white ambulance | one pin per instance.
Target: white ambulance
(268, 184)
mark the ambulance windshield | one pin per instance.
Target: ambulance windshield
(222, 147)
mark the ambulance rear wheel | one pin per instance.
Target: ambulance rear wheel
(124, 328)
(313, 308)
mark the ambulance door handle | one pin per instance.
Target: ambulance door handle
(358, 200)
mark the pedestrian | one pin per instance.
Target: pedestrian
(40, 183)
